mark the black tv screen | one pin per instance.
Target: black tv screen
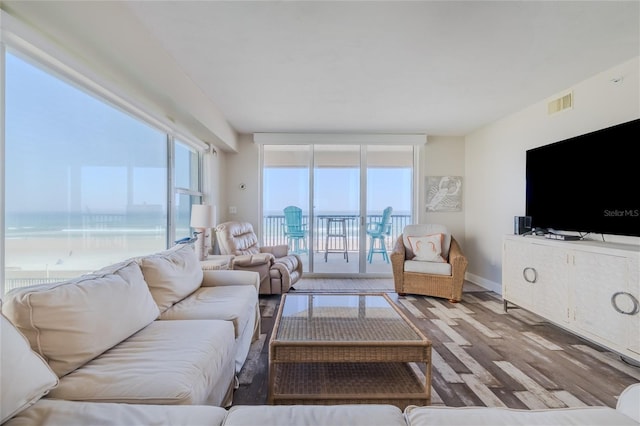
(587, 184)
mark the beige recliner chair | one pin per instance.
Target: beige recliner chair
(278, 269)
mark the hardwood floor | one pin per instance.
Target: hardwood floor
(483, 356)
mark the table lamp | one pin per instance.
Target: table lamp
(202, 220)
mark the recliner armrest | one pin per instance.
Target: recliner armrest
(253, 259)
(281, 250)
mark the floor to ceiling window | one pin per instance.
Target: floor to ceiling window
(342, 192)
(389, 187)
(187, 181)
(285, 181)
(86, 184)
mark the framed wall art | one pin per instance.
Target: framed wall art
(444, 193)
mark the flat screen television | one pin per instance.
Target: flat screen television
(587, 184)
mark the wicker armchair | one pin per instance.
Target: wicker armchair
(442, 279)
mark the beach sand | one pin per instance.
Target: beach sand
(67, 257)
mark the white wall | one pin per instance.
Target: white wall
(491, 161)
(495, 161)
(443, 156)
(242, 167)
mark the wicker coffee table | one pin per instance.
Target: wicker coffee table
(347, 349)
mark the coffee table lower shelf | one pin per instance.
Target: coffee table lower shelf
(396, 383)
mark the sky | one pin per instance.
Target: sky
(68, 151)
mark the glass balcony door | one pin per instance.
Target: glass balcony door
(336, 208)
(389, 202)
(341, 192)
(286, 184)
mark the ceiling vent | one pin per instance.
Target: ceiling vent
(559, 104)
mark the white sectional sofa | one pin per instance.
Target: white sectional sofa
(150, 330)
(135, 344)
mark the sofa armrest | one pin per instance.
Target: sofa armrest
(629, 402)
(248, 260)
(281, 250)
(230, 277)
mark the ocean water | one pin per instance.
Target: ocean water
(45, 247)
(56, 224)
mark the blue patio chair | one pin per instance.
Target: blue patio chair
(295, 230)
(378, 231)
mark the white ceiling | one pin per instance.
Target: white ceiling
(432, 67)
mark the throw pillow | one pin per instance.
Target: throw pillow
(427, 248)
(24, 376)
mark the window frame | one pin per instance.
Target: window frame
(38, 57)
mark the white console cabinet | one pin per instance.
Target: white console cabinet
(587, 287)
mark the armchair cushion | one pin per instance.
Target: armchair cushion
(422, 267)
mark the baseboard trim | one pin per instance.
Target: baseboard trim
(485, 283)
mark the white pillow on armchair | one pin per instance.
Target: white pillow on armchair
(427, 248)
(423, 230)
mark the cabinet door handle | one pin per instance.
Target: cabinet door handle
(633, 311)
(530, 274)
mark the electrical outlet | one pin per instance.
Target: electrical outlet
(233, 210)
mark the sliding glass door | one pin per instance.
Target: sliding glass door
(285, 183)
(389, 201)
(340, 207)
(336, 208)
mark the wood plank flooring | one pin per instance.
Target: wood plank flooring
(483, 356)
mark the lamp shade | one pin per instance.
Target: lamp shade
(202, 216)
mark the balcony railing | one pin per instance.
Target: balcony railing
(273, 230)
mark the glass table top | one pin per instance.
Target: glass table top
(343, 318)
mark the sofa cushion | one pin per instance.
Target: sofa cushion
(444, 416)
(172, 274)
(167, 362)
(72, 322)
(48, 412)
(232, 303)
(24, 376)
(314, 415)
(237, 304)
